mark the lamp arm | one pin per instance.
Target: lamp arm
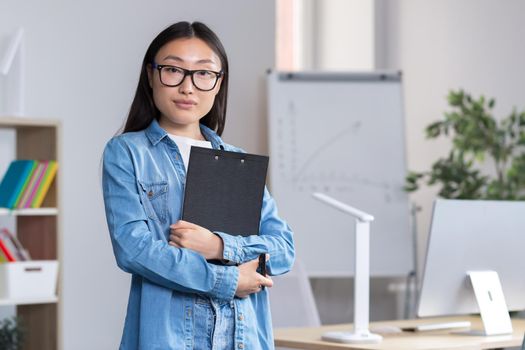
(345, 208)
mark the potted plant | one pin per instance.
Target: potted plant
(477, 137)
(11, 334)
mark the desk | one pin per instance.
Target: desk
(310, 338)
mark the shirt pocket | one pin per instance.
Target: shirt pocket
(155, 199)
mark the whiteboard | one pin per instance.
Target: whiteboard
(341, 134)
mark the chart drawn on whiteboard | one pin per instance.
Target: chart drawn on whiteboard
(343, 137)
(302, 170)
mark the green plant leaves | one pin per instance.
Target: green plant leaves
(476, 136)
(11, 334)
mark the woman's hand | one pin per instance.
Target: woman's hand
(184, 234)
(250, 281)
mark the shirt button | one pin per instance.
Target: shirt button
(241, 317)
(150, 194)
(241, 346)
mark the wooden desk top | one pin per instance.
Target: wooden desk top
(310, 338)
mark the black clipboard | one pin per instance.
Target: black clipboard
(224, 192)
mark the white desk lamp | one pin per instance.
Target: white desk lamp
(16, 92)
(360, 333)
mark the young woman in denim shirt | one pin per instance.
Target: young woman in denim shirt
(178, 300)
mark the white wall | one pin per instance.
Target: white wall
(346, 35)
(335, 35)
(83, 61)
(476, 45)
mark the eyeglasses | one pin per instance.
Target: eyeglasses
(202, 79)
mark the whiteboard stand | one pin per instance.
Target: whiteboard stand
(13, 60)
(412, 284)
(360, 333)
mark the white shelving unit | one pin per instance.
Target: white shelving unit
(6, 302)
(29, 212)
(39, 230)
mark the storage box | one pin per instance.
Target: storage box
(28, 279)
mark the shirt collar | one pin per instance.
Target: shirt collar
(155, 134)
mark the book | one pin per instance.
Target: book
(224, 191)
(41, 171)
(26, 184)
(49, 176)
(14, 245)
(30, 186)
(13, 181)
(9, 255)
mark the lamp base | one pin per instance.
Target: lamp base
(362, 337)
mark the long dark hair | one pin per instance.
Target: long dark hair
(143, 109)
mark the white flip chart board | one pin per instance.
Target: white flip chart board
(341, 134)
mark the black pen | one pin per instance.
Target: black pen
(262, 266)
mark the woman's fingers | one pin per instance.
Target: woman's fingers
(250, 281)
(184, 224)
(265, 281)
(174, 244)
(179, 231)
(179, 235)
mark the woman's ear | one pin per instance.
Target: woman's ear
(149, 70)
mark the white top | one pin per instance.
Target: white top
(185, 143)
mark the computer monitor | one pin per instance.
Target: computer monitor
(472, 235)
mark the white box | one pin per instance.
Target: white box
(28, 279)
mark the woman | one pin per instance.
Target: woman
(178, 300)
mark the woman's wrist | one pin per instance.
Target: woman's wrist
(219, 250)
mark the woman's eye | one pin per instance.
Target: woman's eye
(204, 74)
(172, 70)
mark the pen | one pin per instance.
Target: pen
(262, 266)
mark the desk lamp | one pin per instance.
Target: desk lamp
(360, 333)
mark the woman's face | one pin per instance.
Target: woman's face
(184, 105)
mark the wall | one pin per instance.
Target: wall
(476, 45)
(83, 61)
(335, 35)
(346, 35)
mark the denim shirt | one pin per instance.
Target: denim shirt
(143, 185)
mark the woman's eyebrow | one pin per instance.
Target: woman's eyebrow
(175, 58)
(178, 59)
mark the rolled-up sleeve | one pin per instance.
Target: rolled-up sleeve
(136, 251)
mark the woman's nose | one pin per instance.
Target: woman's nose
(186, 87)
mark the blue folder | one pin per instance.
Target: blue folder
(13, 181)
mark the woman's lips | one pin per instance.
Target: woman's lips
(184, 104)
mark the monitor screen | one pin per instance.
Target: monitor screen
(472, 235)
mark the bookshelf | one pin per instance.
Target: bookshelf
(38, 230)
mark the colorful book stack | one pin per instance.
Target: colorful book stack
(26, 183)
(10, 248)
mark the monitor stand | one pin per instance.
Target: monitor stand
(491, 303)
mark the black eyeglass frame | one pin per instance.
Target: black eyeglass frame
(187, 72)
